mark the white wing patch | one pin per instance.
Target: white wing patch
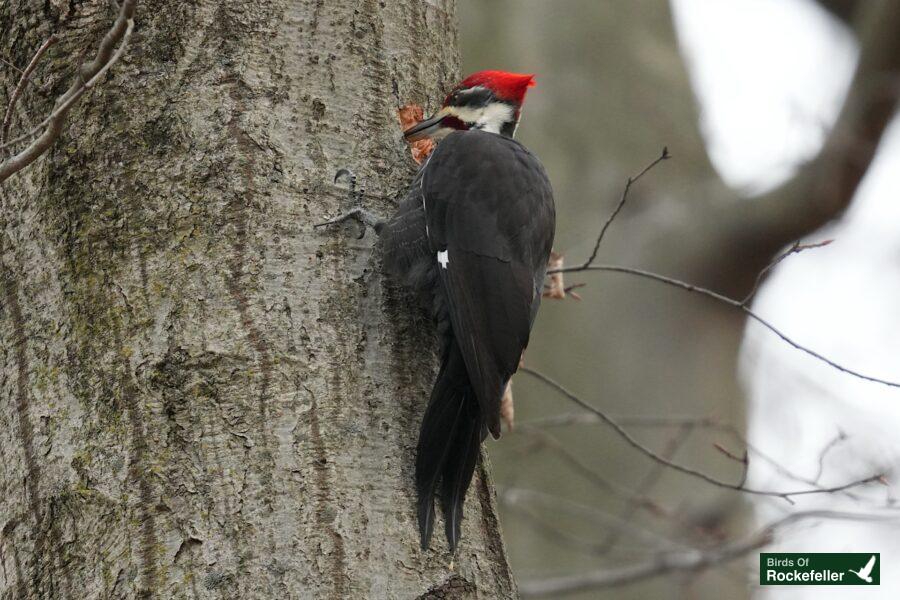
(443, 258)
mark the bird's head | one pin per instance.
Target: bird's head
(486, 100)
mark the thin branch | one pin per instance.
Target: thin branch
(545, 440)
(566, 419)
(26, 74)
(684, 561)
(744, 461)
(647, 484)
(516, 497)
(88, 76)
(747, 311)
(612, 217)
(39, 88)
(631, 441)
(840, 437)
(709, 423)
(728, 453)
(9, 64)
(628, 497)
(795, 248)
(563, 539)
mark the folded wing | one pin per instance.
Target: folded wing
(490, 220)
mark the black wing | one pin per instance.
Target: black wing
(488, 207)
(406, 253)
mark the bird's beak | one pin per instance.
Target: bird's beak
(426, 128)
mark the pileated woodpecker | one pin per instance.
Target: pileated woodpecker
(474, 231)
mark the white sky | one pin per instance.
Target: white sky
(770, 76)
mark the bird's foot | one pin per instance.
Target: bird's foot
(359, 214)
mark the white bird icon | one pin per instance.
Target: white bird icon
(865, 572)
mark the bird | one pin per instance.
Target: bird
(866, 572)
(473, 234)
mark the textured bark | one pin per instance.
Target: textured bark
(200, 395)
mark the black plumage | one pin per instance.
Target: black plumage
(475, 231)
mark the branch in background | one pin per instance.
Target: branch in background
(558, 268)
(709, 423)
(23, 80)
(566, 419)
(796, 248)
(615, 527)
(557, 290)
(739, 305)
(632, 500)
(88, 76)
(543, 440)
(682, 561)
(518, 498)
(753, 232)
(12, 66)
(740, 487)
(840, 437)
(41, 89)
(646, 485)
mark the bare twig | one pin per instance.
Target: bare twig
(647, 483)
(556, 270)
(709, 423)
(612, 217)
(744, 461)
(88, 75)
(566, 419)
(574, 286)
(26, 74)
(518, 497)
(740, 487)
(840, 437)
(628, 497)
(739, 459)
(40, 89)
(682, 561)
(795, 248)
(747, 311)
(9, 64)
(532, 518)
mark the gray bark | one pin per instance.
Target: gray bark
(200, 395)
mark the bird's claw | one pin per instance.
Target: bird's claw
(348, 174)
(361, 215)
(356, 194)
(355, 213)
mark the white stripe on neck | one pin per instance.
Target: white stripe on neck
(489, 118)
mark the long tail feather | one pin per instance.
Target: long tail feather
(459, 468)
(446, 451)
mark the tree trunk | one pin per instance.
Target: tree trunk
(203, 396)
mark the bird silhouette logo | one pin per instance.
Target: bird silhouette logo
(866, 572)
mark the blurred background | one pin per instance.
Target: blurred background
(779, 116)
